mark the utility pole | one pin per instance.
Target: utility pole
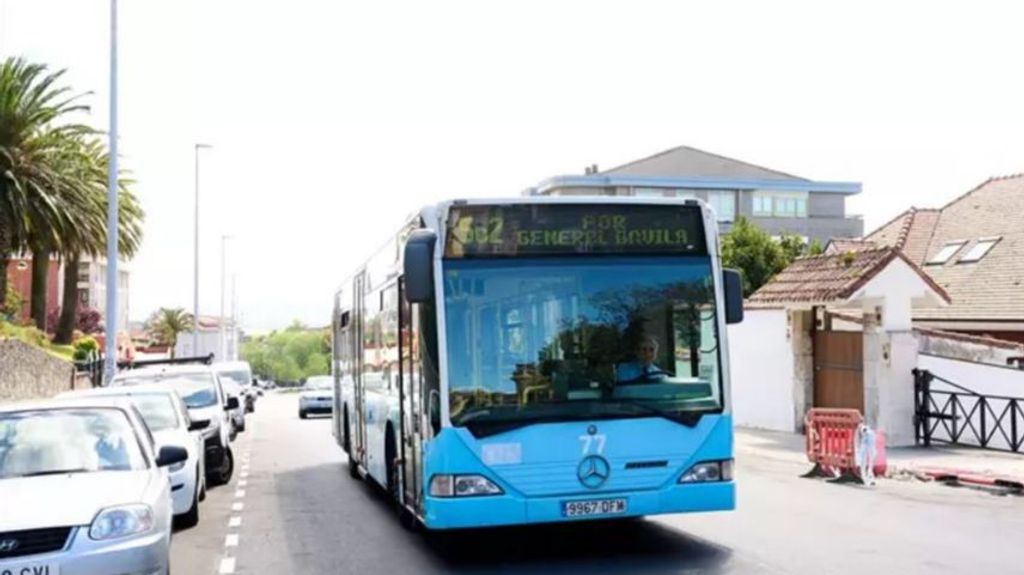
(195, 284)
(222, 354)
(110, 366)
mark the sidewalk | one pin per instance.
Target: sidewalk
(790, 447)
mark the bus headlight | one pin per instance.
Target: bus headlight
(708, 471)
(462, 486)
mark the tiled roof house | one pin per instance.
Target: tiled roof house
(974, 249)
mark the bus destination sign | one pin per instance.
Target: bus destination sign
(552, 229)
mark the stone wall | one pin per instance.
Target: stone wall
(27, 372)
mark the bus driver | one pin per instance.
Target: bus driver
(644, 368)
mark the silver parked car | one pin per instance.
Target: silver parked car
(84, 490)
(317, 396)
(167, 418)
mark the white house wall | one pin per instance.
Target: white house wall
(978, 377)
(761, 364)
(985, 379)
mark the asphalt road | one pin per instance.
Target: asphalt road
(298, 512)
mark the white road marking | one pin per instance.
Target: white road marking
(227, 565)
(240, 493)
(231, 540)
(242, 483)
(245, 474)
(238, 506)
(235, 521)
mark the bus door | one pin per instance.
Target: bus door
(358, 409)
(411, 408)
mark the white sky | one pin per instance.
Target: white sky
(333, 120)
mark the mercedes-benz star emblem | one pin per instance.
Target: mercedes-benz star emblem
(593, 471)
(8, 545)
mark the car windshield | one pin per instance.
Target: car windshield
(241, 377)
(583, 337)
(57, 441)
(157, 410)
(196, 389)
(318, 384)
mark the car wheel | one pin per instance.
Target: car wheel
(302, 414)
(191, 517)
(223, 475)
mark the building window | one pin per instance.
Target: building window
(780, 204)
(649, 192)
(979, 250)
(946, 252)
(724, 204)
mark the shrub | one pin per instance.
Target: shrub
(84, 347)
(11, 304)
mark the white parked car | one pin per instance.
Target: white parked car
(233, 390)
(317, 396)
(206, 400)
(240, 373)
(166, 416)
(84, 490)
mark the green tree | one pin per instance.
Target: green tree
(87, 162)
(33, 131)
(290, 355)
(167, 323)
(751, 250)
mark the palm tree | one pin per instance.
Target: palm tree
(31, 137)
(87, 163)
(167, 323)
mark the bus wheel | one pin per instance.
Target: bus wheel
(353, 467)
(390, 454)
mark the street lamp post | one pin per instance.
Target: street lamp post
(222, 356)
(110, 366)
(195, 284)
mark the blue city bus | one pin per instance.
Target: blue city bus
(503, 362)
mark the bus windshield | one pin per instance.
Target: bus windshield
(581, 337)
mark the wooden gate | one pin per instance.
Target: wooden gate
(839, 369)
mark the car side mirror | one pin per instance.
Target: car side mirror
(171, 454)
(418, 266)
(733, 283)
(231, 404)
(198, 424)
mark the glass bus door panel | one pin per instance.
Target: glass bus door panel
(411, 409)
(358, 365)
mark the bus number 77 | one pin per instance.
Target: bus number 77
(595, 441)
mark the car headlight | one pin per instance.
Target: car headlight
(462, 486)
(708, 471)
(122, 521)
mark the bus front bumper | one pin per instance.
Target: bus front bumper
(493, 511)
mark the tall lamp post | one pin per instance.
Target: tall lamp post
(195, 284)
(223, 353)
(110, 366)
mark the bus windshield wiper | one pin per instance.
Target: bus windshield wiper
(687, 418)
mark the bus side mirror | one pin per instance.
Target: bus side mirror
(733, 295)
(434, 410)
(418, 266)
